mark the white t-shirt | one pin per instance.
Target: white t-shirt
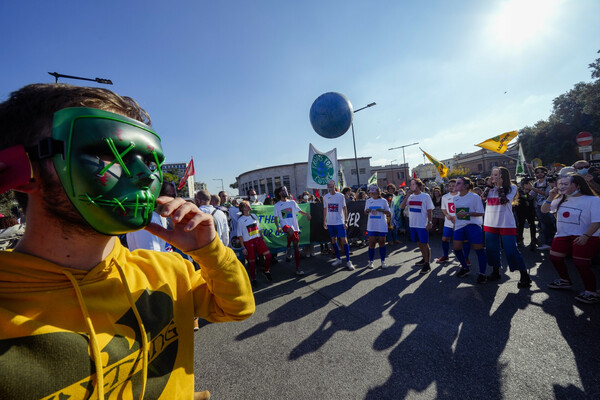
(500, 215)
(248, 227)
(286, 212)
(143, 239)
(448, 205)
(418, 205)
(575, 215)
(221, 224)
(377, 221)
(334, 204)
(470, 202)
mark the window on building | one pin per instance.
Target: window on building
(277, 182)
(255, 186)
(362, 171)
(479, 167)
(286, 181)
(401, 175)
(263, 189)
(269, 186)
(353, 171)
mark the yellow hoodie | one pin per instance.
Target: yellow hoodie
(73, 334)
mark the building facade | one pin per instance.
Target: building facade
(391, 174)
(293, 176)
(481, 162)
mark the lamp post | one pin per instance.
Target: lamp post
(403, 155)
(56, 75)
(391, 169)
(219, 179)
(354, 143)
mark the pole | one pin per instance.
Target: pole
(354, 143)
(355, 158)
(404, 156)
(56, 75)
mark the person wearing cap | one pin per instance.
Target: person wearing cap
(377, 209)
(420, 207)
(335, 216)
(541, 188)
(582, 167)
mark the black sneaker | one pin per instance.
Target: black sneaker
(560, 284)
(267, 275)
(254, 284)
(425, 270)
(421, 262)
(494, 276)
(463, 272)
(524, 283)
(481, 278)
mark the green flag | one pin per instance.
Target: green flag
(373, 179)
(521, 161)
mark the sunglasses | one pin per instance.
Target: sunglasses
(582, 167)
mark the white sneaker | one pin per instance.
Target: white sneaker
(370, 265)
(543, 247)
(383, 265)
(299, 272)
(350, 266)
(336, 262)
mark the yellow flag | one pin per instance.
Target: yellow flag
(498, 143)
(441, 168)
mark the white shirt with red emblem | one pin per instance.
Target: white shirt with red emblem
(499, 215)
(575, 215)
(448, 205)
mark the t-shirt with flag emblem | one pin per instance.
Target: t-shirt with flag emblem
(448, 205)
(334, 203)
(418, 205)
(575, 215)
(248, 227)
(377, 221)
(286, 211)
(469, 203)
(499, 215)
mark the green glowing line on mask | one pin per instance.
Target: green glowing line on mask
(119, 157)
(116, 203)
(137, 201)
(158, 165)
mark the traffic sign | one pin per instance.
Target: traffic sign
(585, 149)
(584, 139)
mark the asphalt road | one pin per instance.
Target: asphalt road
(395, 334)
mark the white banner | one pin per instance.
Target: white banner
(321, 168)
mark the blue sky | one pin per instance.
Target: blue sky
(231, 83)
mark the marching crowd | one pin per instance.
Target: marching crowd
(484, 215)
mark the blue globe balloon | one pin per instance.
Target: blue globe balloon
(331, 115)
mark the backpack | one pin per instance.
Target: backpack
(10, 236)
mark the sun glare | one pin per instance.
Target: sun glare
(518, 23)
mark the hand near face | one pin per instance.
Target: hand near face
(192, 229)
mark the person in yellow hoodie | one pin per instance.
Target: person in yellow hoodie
(81, 316)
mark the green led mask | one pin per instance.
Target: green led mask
(111, 168)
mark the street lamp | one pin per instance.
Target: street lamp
(391, 169)
(404, 156)
(219, 179)
(354, 143)
(56, 75)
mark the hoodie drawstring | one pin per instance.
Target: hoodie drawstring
(93, 339)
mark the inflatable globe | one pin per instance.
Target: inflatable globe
(331, 115)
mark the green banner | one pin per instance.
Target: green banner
(278, 241)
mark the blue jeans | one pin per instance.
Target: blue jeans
(547, 227)
(509, 243)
